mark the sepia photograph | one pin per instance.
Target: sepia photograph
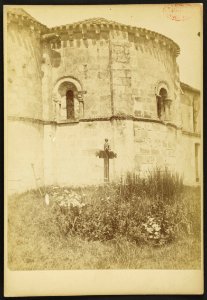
(104, 140)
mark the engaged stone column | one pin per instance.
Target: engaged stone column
(81, 105)
(56, 104)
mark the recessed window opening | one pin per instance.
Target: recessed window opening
(70, 104)
(160, 102)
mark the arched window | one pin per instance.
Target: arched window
(70, 104)
(159, 107)
(161, 103)
(163, 100)
(163, 93)
(68, 100)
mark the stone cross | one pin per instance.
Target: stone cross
(106, 154)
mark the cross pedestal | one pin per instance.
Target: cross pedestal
(106, 155)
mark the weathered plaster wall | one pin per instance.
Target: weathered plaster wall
(187, 117)
(72, 151)
(76, 158)
(188, 159)
(187, 111)
(24, 148)
(140, 146)
(190, 111)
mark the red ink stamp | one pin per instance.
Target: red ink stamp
(178, 11)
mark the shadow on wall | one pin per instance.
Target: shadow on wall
(55, 58)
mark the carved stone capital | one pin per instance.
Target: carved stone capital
(168, 102)
(56, 97)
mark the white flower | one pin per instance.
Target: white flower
(156, 227)
(62, 203)
(150, 230)
(75, 203)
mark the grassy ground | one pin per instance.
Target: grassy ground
(34, 244)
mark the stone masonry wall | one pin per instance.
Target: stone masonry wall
(188, 159)
(125, 71)
(118, 72)
(24, 105)
(121, 73)
(151, 63)
(24, 76)
(86, 61)
(155, 145)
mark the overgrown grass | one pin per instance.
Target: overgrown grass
(36, 243)
(142, 210)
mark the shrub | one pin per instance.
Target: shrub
(143, 210)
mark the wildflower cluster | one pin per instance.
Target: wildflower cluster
(127, 210)
(67, 205)
(157, 229)
(71, 201)
(152, 227)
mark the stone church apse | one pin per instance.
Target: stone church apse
(71, 87)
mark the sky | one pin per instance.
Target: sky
(158, 17)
